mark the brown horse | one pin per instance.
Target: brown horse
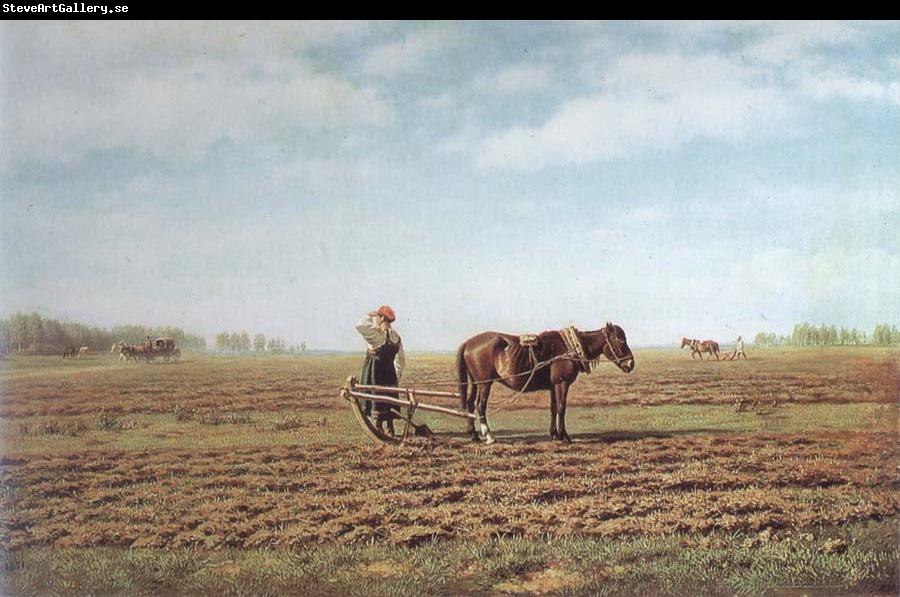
(137, 352)
(550, 365)
(698, 347)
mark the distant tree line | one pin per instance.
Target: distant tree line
(240, 342)
(805, 334)
(34, 334)
(885, 335)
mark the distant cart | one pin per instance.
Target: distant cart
(165, 348)
(406, 403)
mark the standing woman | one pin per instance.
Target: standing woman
(385, 359)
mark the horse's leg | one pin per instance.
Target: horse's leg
(467, 404)
(473, 431)
(484, 392)
(554, 434)
(562, 391)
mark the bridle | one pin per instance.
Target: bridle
(576, 351)
(612, 347)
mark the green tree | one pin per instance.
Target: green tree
(259, 343)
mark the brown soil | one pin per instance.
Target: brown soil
(279, 496)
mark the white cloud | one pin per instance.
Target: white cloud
(159, 44)
(894, 92)
(520, 78)
(649, 101)
(461, 141)
(334, 178)
(442, 101)
(171, 91)
(179, 114)
(786, 41)
(825, 84)
(408, 54)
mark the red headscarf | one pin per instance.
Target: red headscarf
(387, 313)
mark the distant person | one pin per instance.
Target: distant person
(385, 358)
(738, 350)
(147, 344)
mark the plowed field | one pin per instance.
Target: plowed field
(259, 452)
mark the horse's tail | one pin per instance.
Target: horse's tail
(462, 372)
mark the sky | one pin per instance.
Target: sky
(706, 179)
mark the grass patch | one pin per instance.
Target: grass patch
(214, 428)
(107, 421)
(674, 565)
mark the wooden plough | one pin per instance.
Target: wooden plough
(407, 398)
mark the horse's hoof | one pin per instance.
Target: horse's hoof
(554, 435)
(489, 440)
(565, 438)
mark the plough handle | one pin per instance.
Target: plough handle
(434, 393)
(352, 392)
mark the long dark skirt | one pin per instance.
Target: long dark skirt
(378, 371)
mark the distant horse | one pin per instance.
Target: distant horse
(138, 352)
(68, 352)
(126, 351)
(698, 347)
(83, 352)
(551, 364)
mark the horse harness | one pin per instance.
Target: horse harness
(574, 346)
(574, 349)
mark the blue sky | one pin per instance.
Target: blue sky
(700, 179)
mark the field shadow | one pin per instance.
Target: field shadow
(609, 437)
(530, 436)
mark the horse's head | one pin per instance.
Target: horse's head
(616, 348)
(685, 342)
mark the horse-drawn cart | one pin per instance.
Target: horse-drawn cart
(406, 403)
(165, 348)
